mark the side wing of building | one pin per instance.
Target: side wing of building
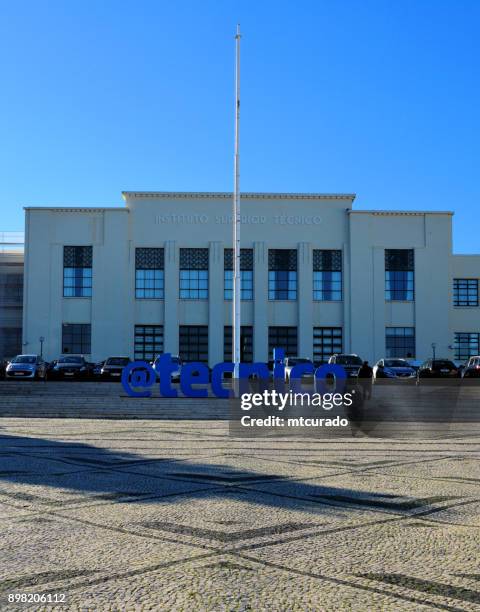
(11, 300)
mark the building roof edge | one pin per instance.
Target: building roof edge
(401, 212)
(245, 196)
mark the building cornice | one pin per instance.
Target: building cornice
(77, 209)
(400, 213)
(184, 195)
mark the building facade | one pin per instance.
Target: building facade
(11, 293)
(318, 277)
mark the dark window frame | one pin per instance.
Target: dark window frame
(197, 348)
(275, 335)
(397, 348)
(246, 343)
(325, 337)
(194, 274)
(140, 336)
(246, 275)
(467, 287)
(399, 275)
(149, 273)
(327, 275)
(77, 271)
(11, 290)
(79, 330)
(282, 275)
(460, 351)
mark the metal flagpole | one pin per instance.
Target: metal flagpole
(236, 316)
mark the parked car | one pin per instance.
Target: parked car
(351, 362)
(438, 368)
(26, 366)
(113, 367)
(70, 366)
(472, 368)
(414, 363)
(393, 369)
(175, 359)
(460, 365)
(291, 362)
(97, 369)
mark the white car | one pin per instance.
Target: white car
(175, 375)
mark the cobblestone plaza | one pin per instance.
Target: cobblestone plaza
(176, 515)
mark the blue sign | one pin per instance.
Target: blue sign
(139, 377)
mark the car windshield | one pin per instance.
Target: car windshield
(117, 361)
(70, 360)
(443, 363)
(293, 361)
(348, 360)
(396, 363)
(24, 359)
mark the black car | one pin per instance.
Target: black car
(70, 367)
(113, 367)
(472, 369)
(438, 368)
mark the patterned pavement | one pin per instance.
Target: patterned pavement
(176, 515)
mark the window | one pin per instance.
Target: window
(10, 341)
(148, 342)
(399, 275)
(149, 278)
(327, 275)
(194, 274)
(400, 342)
(193, 343)
(77, 271)
(246, 274)
(246, 343)
(283, 337)
(465, 292)
(76, 338)
(326, 342)
(11, 290)
(282, 274)
(467, 344)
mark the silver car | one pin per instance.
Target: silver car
(26, 366)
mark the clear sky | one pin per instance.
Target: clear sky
(380, 98)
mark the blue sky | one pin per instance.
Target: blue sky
(380, 98)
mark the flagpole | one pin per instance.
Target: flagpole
(236, 315)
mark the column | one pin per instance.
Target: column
(304, 300)
(215, 303)
(378, 305)
(260, 305)
(171, 276)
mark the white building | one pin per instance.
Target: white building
(11, 293)
(318, 277)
